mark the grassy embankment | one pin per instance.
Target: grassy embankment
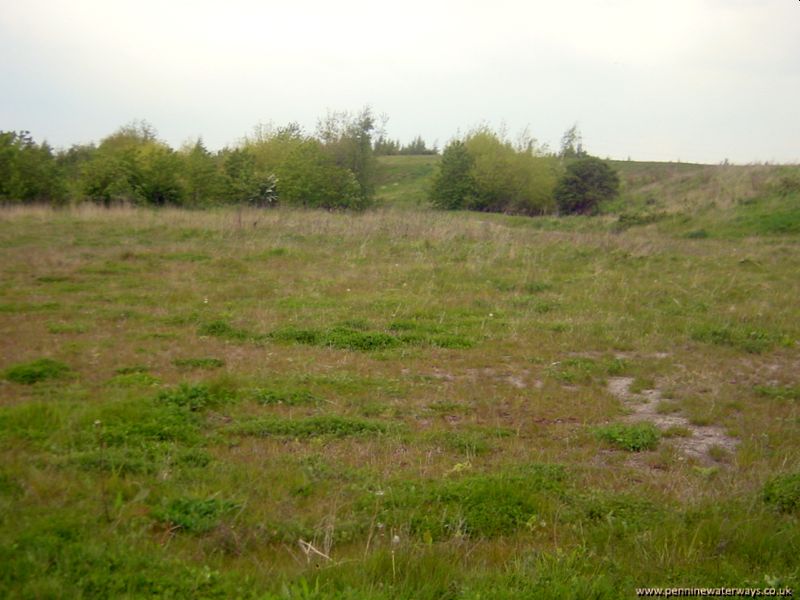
(424, 398)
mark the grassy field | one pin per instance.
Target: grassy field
(400, 403)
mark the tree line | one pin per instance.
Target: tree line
(334, 167)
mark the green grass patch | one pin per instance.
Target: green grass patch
(198, 397)
(198, 363)
(477, 506)
(350, 338)
(748, 339)
(37, 370)
(323, 425)
(134, 380)
(59, 328)
(779, 392)
(224, 330)
(783, 492)
(194, 515)
(633, 438)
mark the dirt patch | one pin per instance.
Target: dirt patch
(644, 406)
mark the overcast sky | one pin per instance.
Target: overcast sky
(694, 80)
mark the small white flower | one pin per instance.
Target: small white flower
(379, 492)
(205, 300)
(491, 314)
(97, 423)
(396, 539)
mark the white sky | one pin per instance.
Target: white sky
(695, 80)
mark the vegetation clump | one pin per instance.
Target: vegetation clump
(40, 369)
(478, 506)
(196, 397)
(194, 515)
(749, 339)
(783, 492)
(633, 438)
(323, 425)
(486, 172)
(223, 329)
(586, 183)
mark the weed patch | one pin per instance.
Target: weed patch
(786, 392)
(224, 330)
(35, 371)
(198, 363)
(349, 338)
(197, 397)
(633, 438)
(326, 425)
(194, 515)
(478, 506)
(134, 380)
(783, 492)
(750, 340)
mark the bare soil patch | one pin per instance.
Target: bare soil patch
(645, 408)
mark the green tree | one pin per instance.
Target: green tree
(585, 184)
(246, 183)
(572, 143)
(383, 146)
(131, 165)
(29, 171)
(347, 138)
(417, 146)
(306, 171)
(202, 177)
(453, 184)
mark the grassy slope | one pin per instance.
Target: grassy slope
(413, 393)
(403, 181)
(679, 199)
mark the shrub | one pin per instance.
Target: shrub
(486, 172)
(37, 370)
(586, 183)
(783, 492)
(509, 178)
(633, 438)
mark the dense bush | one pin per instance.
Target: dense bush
(587, 182)
(132, 166)
(453, 185)
(488, 173)
(28, 171)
